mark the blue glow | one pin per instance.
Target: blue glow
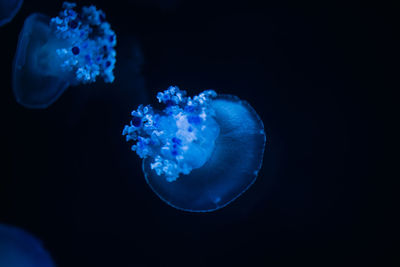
(20, 249)
(8, 10)
(199, 153)
(54, 53)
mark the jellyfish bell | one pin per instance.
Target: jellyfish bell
(8, 10)
(33, 84)
(218, 166)
(20, 249)
(230, 170)
(55, 53)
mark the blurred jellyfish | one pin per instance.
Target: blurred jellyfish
(199, 153)
(20, 249)
(52, 54)
(8, 10)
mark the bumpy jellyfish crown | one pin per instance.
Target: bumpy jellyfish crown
(199, 153)
(91, 51)
(178, 139)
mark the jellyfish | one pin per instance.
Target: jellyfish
(55, 53)
(8, 10)
(199, 153)
(20, 249)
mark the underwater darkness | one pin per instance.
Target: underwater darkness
(314, 73)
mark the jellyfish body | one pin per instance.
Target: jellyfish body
(8, 10)
(199, 153)
(20, 249)
(54, 53)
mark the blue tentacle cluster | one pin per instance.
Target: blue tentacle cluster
(90, 51)
(178, 139)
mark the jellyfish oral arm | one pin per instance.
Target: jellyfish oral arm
(178, 139)
(89, 42)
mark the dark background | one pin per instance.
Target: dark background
(316, 73)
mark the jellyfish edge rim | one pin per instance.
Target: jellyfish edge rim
(252, 111)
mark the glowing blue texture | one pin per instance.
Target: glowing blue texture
(8, 10)
(199, 153)
(20, 249)
(52, 54)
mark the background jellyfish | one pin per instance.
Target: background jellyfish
(20, 249)
(8, 10)
(200, 153)
(52, 54)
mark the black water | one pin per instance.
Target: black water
(314, 72)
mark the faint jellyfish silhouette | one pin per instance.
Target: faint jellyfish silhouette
(200, 153)
(52, 54)
(8, 10)
(20, 249)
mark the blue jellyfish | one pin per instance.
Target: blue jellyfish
(20, 249)
(199, 153)
(8, 10)
(52, 54)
